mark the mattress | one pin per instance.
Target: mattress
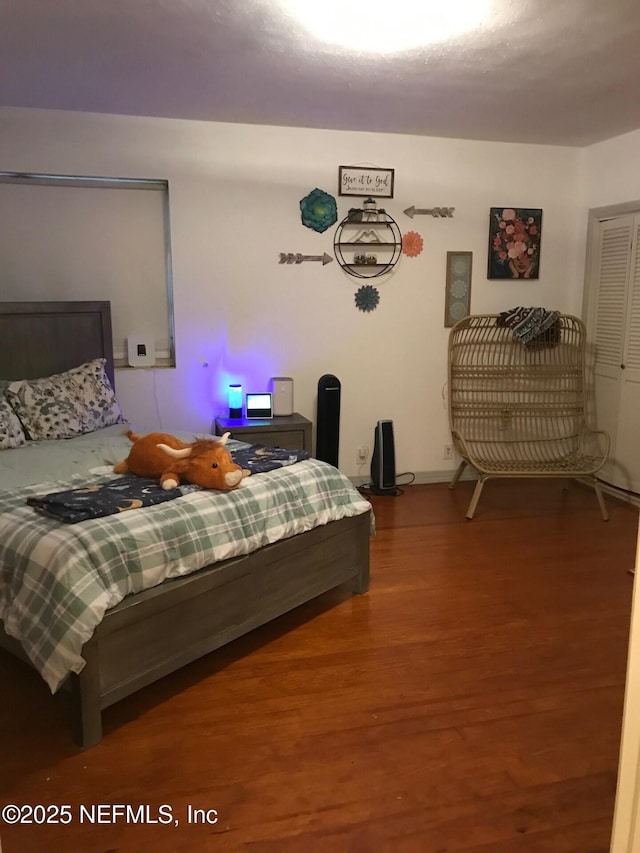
(60, 460)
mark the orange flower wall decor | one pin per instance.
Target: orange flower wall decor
(412, 244)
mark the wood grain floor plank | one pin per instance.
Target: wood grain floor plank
(471, 702)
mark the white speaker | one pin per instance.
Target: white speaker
(282, 392)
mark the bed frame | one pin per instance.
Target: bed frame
(156, 632)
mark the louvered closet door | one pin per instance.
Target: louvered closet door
(628, 435)
(617, 348)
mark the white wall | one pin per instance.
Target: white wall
(612, 173)
(234, 196)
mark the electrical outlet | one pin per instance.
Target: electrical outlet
(448, 451)
(362, 454)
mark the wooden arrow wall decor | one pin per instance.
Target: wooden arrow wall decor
(436, 212)
(297, 258)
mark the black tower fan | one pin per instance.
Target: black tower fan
(328, 419)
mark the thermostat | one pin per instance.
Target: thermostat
(141, 351)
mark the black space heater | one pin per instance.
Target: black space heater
(383, 461)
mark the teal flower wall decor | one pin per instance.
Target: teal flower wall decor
(319, 210)
(367, 297)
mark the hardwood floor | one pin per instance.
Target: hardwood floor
(470, 702)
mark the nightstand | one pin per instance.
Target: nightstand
(292, 432)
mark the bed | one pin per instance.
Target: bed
(150, 624)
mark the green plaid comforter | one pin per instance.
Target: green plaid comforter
(57, 580)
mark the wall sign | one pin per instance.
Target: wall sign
(357, 180)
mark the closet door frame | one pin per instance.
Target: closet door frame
(615, 473)
(596, 216)
(626, 821)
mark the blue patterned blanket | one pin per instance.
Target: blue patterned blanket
(97, 500)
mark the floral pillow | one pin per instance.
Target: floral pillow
(66, 404)
(96, 395)
(11, 432)
(48, 408)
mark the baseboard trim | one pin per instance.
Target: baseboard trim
(426, 477)
(620, 494)
(421, 477)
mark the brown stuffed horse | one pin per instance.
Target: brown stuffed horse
(206, 462)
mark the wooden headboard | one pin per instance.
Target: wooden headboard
(39, 339)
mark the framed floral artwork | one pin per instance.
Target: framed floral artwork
(457, 298)
(514, 242)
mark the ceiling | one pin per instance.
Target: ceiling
(560, 72)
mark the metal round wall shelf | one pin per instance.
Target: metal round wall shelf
(367, 243)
